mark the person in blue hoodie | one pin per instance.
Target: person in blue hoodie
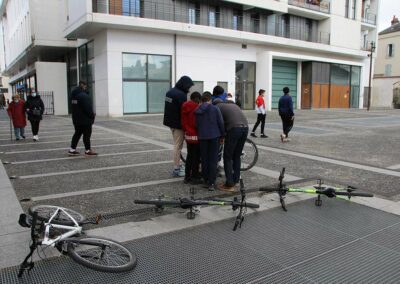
(219, 93)
(210, 132)
(286, 113)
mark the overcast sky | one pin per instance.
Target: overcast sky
(387, 10)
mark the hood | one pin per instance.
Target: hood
(76, 91)
(203, 108)
(184, 84)
(189, 107)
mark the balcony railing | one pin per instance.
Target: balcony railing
(369, 18)
(316, 5)
(178, 13)
(366, 45)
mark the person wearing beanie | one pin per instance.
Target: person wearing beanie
(261, 114)
(286, 113)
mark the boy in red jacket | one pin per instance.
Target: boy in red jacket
(188, 121)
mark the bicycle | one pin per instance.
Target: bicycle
(319, 189)
(53, 226)
(191, 202)
(249, 155)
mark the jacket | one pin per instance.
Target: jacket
(209, 122)
(260, 105)
(34, 103)
(188, 121)
(16, 111)
(223, 97)
(174, 100)
(81, 108)
(285, 105)
(232, 115)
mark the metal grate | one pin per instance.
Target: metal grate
(340, 242)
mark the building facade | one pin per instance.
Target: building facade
(386, 90)
(132, 51)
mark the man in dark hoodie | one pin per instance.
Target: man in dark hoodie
(82, 118)
(172, 118)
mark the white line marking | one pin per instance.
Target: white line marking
(84, 157)
(59, 141)
(165, 128)
(395, 167)
(51, 136)
(105, 189)
(64, 148)
(273, 174)
(94, 170)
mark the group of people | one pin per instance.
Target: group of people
(18, 109)
(208, 121)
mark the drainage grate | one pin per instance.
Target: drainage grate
(340, 242)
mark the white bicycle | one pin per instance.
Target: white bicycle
(53, 226)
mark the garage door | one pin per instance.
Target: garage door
(284, 74)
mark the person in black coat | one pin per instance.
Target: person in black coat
(285, 107)
(174, 100)
(34, 107)
(82, 118)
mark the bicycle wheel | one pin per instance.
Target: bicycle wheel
(44, 212)
(159, 202)
(101, 254)
(249, 155)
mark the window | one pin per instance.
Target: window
(192, 13)
(237, 20)
(350, 11)
(131, 8)
(388, 70)
(223, 85)
(212, 17)
(146, 79)
(197, 87)
(255, 23)
(390, 50)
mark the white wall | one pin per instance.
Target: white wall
(382, 92)
(52, 76)
(78, 9)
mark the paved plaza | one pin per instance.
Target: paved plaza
(342, 147)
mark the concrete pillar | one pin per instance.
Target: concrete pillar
(264, 76)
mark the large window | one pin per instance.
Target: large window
(131, 8)
(86, 66)
(146, 79)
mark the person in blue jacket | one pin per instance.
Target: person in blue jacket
(210, 132)
(286, 113)
(219, 93)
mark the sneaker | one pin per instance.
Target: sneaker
(211, 187)
(17, 139)
(182, 170)
(252, 134)
(178, 173)
(22, 136)
(263, 136)
(35, 138)
(90, 153)
(227, 188)
(73, 153)
(283, 137)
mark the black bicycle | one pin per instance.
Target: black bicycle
(190, 203)
(319, 189)
(249, 155)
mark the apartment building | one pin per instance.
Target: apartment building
(132, 51)
(387, 68)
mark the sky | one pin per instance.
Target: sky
(388, 8)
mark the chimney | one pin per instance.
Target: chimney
(395, 20)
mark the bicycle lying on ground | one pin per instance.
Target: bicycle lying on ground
(319, 189)
(190, 203)
(248, 158)
(53, 226)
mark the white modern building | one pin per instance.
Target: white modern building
(132, 51)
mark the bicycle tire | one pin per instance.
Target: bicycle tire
(253, 160)
(46, 211)
(95, 256)
(360, 194)
(159, 202)
(268, 189)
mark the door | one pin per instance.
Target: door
(245, 84)
(284, 74)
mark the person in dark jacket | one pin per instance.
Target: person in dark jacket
(16, 112)
(174, 100)
(210, 132)
(286, 113)
(237, 129)
(82, 118)
(34, 107)
(219, 93)
(193, 148)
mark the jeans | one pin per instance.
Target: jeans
(86, 130)
(234, 143)
(19, 132)
(35, 126)
(287, 124)
(260, 119)
(209, 159)
(192, 161)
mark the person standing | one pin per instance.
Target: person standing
(210, 130)
(174, 100)
(34, 107)
(286, 113)
(237, 128)
(16, 112)
(82, 118)
(193, 148)
(261, 114)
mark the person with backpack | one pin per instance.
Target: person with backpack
(193, 148)
(261, 114)
(174, 100)
(16, 112)
(34, 107)
(286, 113)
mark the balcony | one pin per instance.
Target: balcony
(369, 18)
(315, 5)
(207, 17)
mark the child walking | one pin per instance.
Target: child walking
(261, 114)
